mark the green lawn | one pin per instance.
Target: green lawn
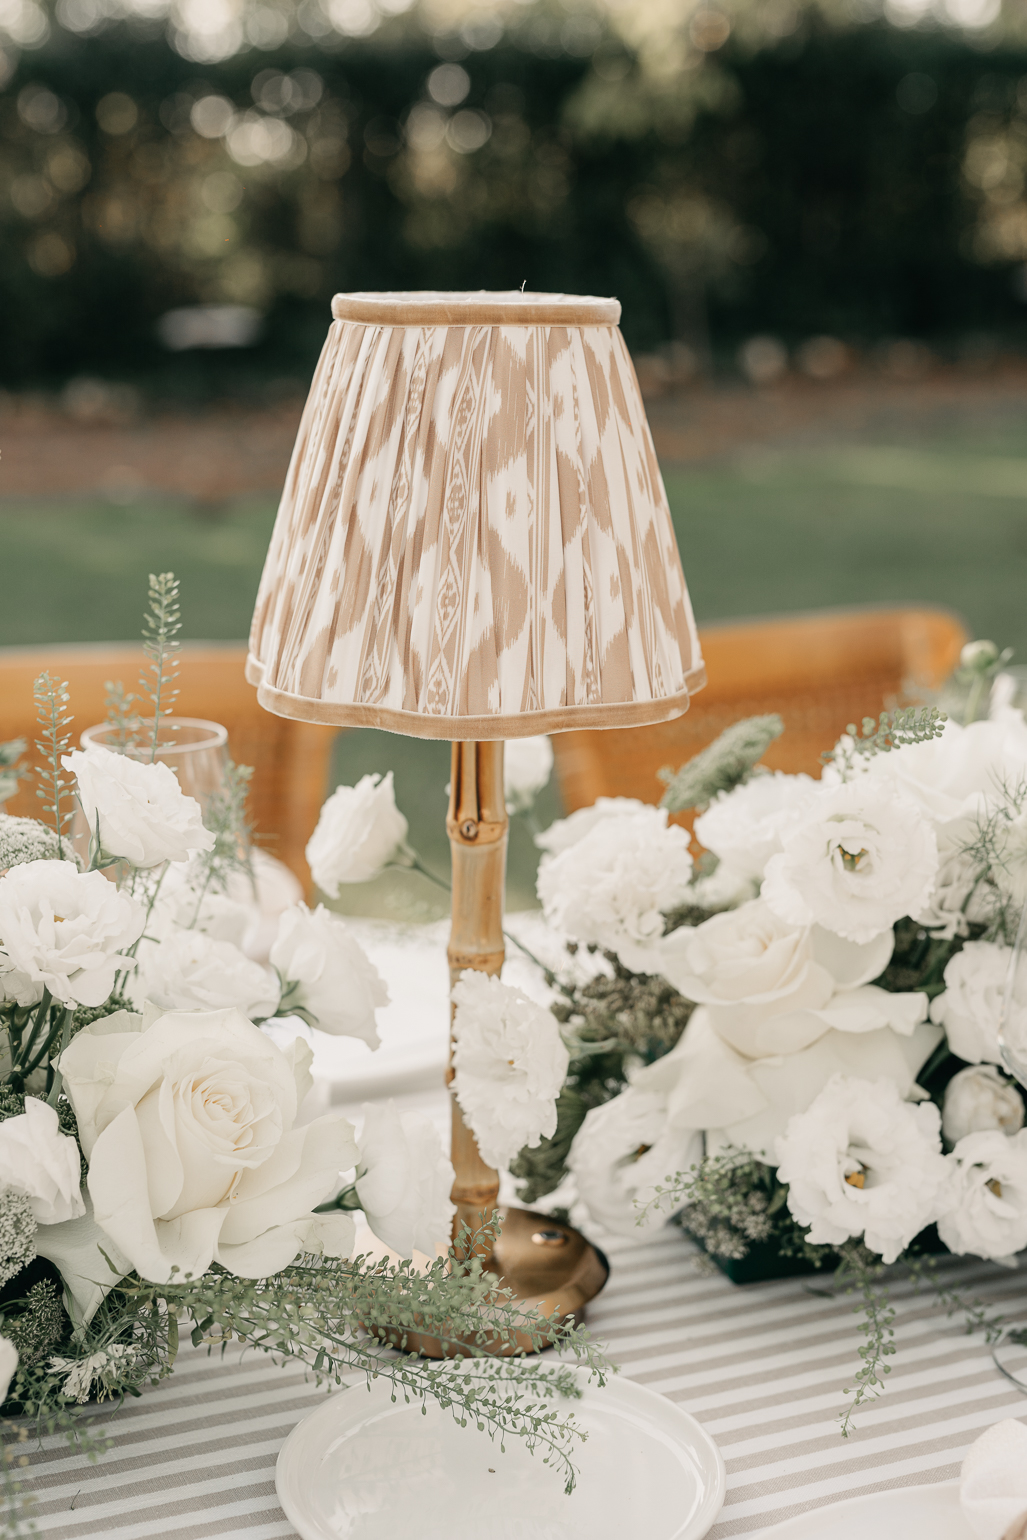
(942, 521)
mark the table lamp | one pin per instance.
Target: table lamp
(474, 543)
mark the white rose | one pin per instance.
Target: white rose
(565, 832)
(8, 1366)
(510, 1063)
(862, 1162)
(328, 977)
(404, 1178)
(622, 1152)
(527, 766)
(191, 971)
(41, 1163)
(142, 812)
(979, 1099)
(970, 1010)
(360, 831)
(858, 859)
(188, 1127)
(63, 930)
(744, 826)
(613, 885)
(987, 1196)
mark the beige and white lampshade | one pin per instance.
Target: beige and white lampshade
(474, 540)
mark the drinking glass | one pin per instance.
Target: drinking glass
(1012, 1034)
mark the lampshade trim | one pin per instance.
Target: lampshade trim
(433, 308)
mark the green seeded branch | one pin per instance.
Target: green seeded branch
(728, 761)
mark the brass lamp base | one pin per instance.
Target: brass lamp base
(549, 1267)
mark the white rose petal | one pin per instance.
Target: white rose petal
(404, 1178)
(987, 1196)
(970, 1010)
(142, 812)
(566, 832)
(744, 826)
(890, 1149)
(622, 1152)
(191, 971)
(328, 975)
(979, 1099)
(360, 830)
(527, 766)
(188, 1125)
(510, 1063)
(614, 884)
(8, 1366)
(860, 857)
(63, 930)
(89, 1262)
(41, 1163)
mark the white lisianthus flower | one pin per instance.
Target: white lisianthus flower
(743, 827)
(527, 766)
(622, 1152)
(188, 1127)
(190, 971)
(859, 858)
(510, 1063)
(565, 832)
(979, 1099)
(8, 1366)
(360, 830)
(142, 812)
(404, 1178)
(327, 976)
(613, 885)
(41, 1163)
(987, 1196)
(63, 930)
(970, 1010)
(862, 1162)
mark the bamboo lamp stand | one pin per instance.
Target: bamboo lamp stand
(548, 1266)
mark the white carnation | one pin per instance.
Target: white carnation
(614, 884)
(862, 1162)
(360, 830)
(987, 1196)
(859, 858)
(190, 971)
(41, 1163)
(327, 975)
(527, 766)
(743, 827)
(62, 930)
(404, 1178)
(979, 1099)
(566, 832)
(970, 1010)
(510, 1063)
(622, 1152)
(141, 811)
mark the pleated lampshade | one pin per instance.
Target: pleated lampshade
(474, 540)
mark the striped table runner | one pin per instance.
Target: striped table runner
(762, 1367)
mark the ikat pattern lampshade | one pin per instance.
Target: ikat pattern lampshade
(474, 540)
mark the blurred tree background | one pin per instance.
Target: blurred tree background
(818, 175)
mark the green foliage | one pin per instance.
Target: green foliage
(40, 1326)
(121, 715)
(10, 753)
(728, 761)
(162, 622)
(51, 696)
(892, 730)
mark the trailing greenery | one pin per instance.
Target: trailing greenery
(728, 761)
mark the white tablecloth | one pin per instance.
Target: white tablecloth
(763, 1367)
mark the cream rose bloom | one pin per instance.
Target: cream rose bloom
(41, 1163)
(527, 766)
(986, 1213)
(979, 1099)
(404, 1178)
(859, 858)
(359, 831)
(327, 976)
(187, 1121)
(743, 827)
(63, 930)
(142, 812)
(970, 1010)
(860, 1161)
(190, 971)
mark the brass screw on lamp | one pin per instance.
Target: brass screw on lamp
(474, 543)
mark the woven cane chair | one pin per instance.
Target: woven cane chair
(289, 759)
(819, 671)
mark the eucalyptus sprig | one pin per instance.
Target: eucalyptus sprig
(162, 622)
(51, 697)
